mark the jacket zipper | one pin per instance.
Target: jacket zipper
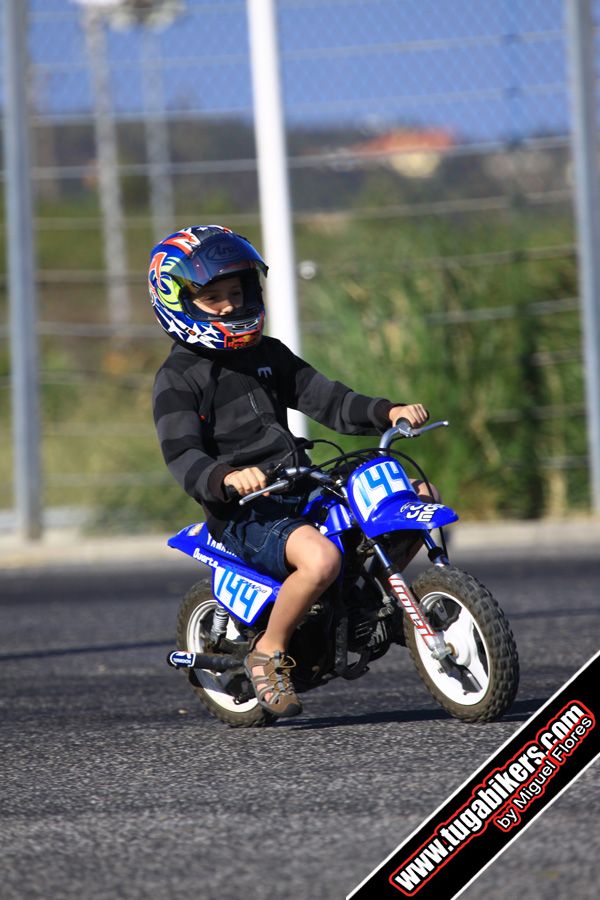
(288, 437)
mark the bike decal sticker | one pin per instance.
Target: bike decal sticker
(403, 594)
(241, 596)
(375, 483)
(181, 659)
(202, 557)
(502, 799)
(421, 512)
(217, 545)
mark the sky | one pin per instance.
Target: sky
(482, 69)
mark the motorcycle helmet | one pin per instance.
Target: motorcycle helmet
(188, 260)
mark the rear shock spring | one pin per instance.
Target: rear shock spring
(219, 624)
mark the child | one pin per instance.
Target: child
(220, 408)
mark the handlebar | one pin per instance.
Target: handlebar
(402, 429)
(283, 482)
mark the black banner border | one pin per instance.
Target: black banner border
(431, 819)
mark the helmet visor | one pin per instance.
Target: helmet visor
(217, 257)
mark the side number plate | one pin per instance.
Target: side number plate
(242, 597)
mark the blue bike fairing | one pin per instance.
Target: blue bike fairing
(337, 518)
(330, 516)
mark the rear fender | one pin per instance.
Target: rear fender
(242, 591)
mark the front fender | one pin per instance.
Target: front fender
(403, 512)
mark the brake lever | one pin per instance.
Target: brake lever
(402, 428)
(417, 431)
(280, 485)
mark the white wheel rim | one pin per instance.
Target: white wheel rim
(209, 681)
(470, 652)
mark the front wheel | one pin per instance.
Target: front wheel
(479, 680)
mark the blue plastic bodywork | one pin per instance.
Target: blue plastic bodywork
(380, 500)
(240, 589)
(406, 511)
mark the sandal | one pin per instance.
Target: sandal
(274, 681)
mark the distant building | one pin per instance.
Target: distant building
(413, 153)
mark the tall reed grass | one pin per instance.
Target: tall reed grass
(484, 346)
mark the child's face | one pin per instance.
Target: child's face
(220, 298)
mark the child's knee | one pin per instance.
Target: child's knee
(319, 560)
(328, 562)
(427, 492)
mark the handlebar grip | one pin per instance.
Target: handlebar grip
(231, 493)
(404, 425)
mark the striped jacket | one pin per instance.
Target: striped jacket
(221, 411)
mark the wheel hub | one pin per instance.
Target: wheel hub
(461, 675)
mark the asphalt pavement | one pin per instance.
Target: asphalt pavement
(116, 783)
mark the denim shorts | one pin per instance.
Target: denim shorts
(259, 536)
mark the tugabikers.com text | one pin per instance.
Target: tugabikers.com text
(502, 797)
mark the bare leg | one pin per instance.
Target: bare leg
(421, 488)
(316, 562)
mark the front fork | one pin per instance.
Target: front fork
(434, 642)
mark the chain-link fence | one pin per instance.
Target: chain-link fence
(431, 177)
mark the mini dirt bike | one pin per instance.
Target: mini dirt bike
(459, 639)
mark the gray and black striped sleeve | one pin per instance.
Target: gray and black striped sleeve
(332, 403)
(179, 428)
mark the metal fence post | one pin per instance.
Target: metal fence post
(162, 201)
(269, 128)
(109, 185)
(20, 255)
(581, 37)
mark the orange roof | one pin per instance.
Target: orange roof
(405, 141)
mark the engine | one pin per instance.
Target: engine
(366, 631)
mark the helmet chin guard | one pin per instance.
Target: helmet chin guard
(188, 260)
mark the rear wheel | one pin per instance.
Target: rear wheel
(479, 680)
(193, 623)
